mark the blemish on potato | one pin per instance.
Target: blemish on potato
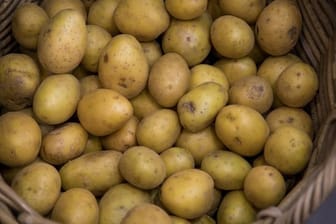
(190, 107)
(106, 58)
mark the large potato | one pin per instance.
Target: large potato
(39, 185)
(119, 196)
(56, 98)
(94, 171)
(145, 19)
(76, 205)
(123, 66)
(19, 79)
(20, 139)
(103, 111)
(278, 27)
(62, 42)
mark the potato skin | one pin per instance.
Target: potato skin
(62, 42)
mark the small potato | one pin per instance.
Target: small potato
(123, 66)
(177, 159)
(95, 171)
(288, 149)
(235, 69)
(63, 143)
(158, 130)
(186, 10)
(101, 14)
(242, 129)
(204, 219)
(88, 84)
(188, 193)
(231, 36)
(264, 186)
(247, 10)
(56, 98)
(52, 7)
(252, 91)
(200, 143)
(297, 85)
(142, 167)
(179, 220)
(39, 185)
(103, 111)
(62, 42)
(144, 104)
(168, 79)
(80, 72)
(27, 22)
(152, 51)
(122, 139)
(20, 139)
(235, 208)
(259, 161)
(202, 73)
(148, 213)
(93, 144)
(98, 38)
(278, 27)
(226, 168)
(76, 205)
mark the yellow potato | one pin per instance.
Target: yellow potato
(186, 10)
(93, 144)
(168, 79)
(179, 220)
(123, 66)
(52, 7)
(103, 111)
(152, 51)
(39, 185)
(89, 83)
(61, 50)
(144, 104)
(56, 98)
(204, 219)
(76, 205)
(27, 21)
(20, 139)
(63, 143)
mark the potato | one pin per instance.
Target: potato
(144, 104)
(19, 79)
(235, 208)
(259, 161)
(101, 14)
(98, 38)
(245, 9)
(214, 9)
(202, 73)
(226, 168)
(103, 111)
(235, 69)
(231, 36)
(264, 186)
(179, 220)
(278, 27)
(242, 129)
(123, 196)
(63, 143)
(146, 213)
(94, 171)
(168, 79)
(176, 159)
(152, 51)
(297, 85)
(20, 139)
(60, 50)
(204, 219)
(80, 72)
(257, 54)
(52, 7)
(189, 38)
(39, 185)
(88, 84)
(145, 20)
(27, 21)
(93, 144)
(142, 167)
(123, 66)
(296, 117)
(200, 143)
(215, 202)
(188, 193)
(288, 149)
(252, 91)
(186, 10)
(56, 98)
(76, 205)
(122, 139)
(198, 108)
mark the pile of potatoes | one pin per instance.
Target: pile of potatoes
(152, 111)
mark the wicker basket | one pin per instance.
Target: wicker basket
(316, 46)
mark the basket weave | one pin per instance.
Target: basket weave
(316, 46)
